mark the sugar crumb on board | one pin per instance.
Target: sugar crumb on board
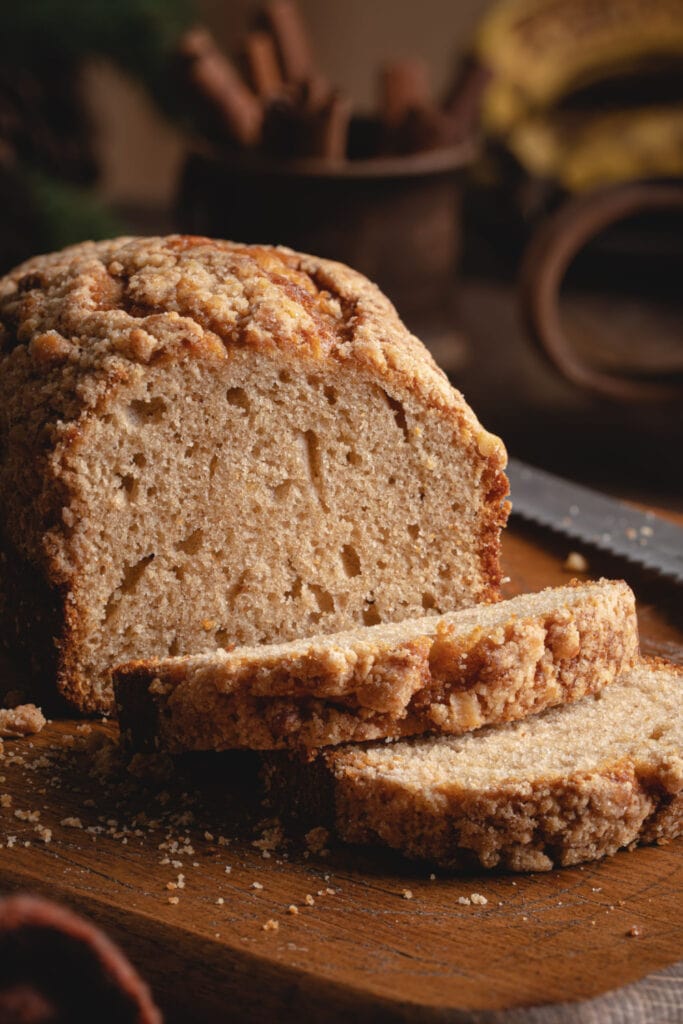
(576, 562)
(23, 720)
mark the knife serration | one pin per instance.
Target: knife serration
(593, 518)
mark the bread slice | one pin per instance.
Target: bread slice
(569, 785)
(205, 444)
(450, 673)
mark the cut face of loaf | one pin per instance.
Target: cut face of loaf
(450, 674)
(570, 785)
(205, 444)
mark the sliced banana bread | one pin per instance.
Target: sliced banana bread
(449, 673)
(205, 444)
(569, 785)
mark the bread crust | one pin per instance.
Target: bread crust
(452, 676)
(532, 824)
(78, 325)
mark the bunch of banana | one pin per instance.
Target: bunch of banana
(586, 92)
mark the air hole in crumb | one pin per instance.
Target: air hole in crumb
(130, 485)
(285, 376)
(428, 601)
(330, 394)
(354, 459)
(151, 411)
(444, 572)
(132, 574)
(130, 579)
(174, 648)
(281, 491)
(414, 530)
(223, 639)
(139, 459)
(381, 564)
(190, 450)
(238, 397)
(237, 587)
(391, 481)
(371, 616)
(657, 733)
(151, 491)
(179, 572)
(399, 414)
(313, 463)
(295, 589)
(323, 599)
(213, 465)
(350, 560)
(191, 544)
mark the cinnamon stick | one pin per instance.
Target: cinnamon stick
(292, 39)
(214, 77)
(263, 64)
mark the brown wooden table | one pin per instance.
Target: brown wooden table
(361, 951)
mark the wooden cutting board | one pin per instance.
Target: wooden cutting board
(357, 947)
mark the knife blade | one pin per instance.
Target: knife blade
(596, 519)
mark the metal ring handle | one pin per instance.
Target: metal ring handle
(552, 249)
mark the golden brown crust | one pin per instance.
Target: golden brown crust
(145, 299)
(454, 674)
(592, 800)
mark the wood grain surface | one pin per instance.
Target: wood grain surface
(360, 950)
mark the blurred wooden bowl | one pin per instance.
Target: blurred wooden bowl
(395, 219)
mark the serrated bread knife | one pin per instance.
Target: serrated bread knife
(593, 518)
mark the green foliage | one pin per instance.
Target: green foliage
(138, 35)
(68, 214)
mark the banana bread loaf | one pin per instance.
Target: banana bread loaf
(205, 444)
(450, 674)
(572, 784)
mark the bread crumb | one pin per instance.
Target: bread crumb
(292, 909)
(45, 834)
(5, 800)
(635, 931)
(208, 836)
(432, 877)
(576, 562)
(271, 839)
(407, 894)
(308, 900)
(27, 815)
(256, 885)
(317, 839)
(71, 823)
(24, 720)
(480, 900)
(271, 925)
(220, 901)
(174, 900)
(465, 900)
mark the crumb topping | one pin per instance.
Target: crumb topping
(142, 300)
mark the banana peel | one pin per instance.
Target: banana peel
(539, 51)
(583, 152)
